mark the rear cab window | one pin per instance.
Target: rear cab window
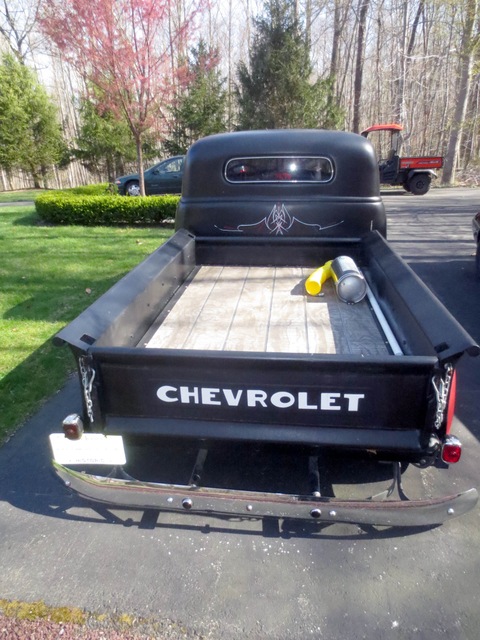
(280, 169)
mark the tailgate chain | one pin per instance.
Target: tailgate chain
(442, 389)
(87, 374)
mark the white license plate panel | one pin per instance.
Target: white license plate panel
(92, 448)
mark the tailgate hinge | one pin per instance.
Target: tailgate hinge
(87, 376)
(442, 390)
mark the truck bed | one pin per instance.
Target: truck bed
(275, 365)
(219, 306)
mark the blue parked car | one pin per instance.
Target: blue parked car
(164, 177)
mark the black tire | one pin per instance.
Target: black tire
(419, 184)
(477, 261)
(132, 188)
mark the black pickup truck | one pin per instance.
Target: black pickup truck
(215, 338)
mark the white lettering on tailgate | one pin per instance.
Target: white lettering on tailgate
(303, 400)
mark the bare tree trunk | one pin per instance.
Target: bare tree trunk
(339, 20)
(308, 20)
(465, 73)
(399, 108)
(346, 61)
(473, 120)
(141, 178)
(357, 92)
(337, 32)
(231, 75)
(379, 64)
(405, 60)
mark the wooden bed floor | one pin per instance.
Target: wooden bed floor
(266, 309)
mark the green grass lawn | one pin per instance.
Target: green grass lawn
(20, 196)
(47, 276)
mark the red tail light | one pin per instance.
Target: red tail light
(451, 450)
(452, 398)
(73, 427)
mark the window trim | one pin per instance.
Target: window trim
(246, 159)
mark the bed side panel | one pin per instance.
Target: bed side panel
(123, 314)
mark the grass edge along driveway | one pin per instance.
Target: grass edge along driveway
(48, 275)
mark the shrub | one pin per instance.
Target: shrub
(72, 207)
(102, 189)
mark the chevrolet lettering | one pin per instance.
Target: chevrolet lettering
(308, 400)
(216, 343)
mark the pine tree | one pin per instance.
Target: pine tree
(30, 135)
(105, 143)
(200, 109)
(276, 90)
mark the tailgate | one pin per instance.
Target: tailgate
(326, 400)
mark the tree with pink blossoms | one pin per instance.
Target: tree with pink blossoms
(124, 49)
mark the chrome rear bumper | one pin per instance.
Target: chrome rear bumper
(144, 495)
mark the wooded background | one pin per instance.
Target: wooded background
(412, 62)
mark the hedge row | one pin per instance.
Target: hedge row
(99, 189)
(72, 207)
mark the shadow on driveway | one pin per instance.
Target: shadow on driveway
(28, 483)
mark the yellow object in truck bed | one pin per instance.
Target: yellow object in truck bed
(314, 282)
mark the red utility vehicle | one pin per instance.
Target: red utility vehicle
(414, 174)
